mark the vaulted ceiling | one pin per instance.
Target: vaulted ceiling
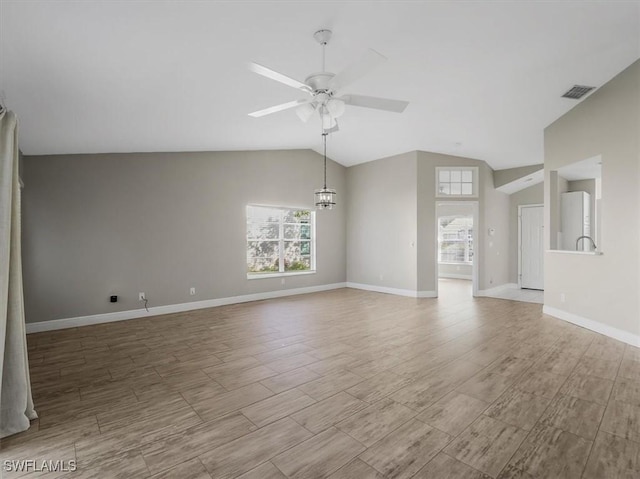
(483, 78)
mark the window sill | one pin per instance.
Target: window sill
(279, 275)
(461, 263)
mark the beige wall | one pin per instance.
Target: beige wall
(96, 225)
(602, 289)
(534, 195)
(381, 219)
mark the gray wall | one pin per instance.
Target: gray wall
(502, 177)
(601, 288)
(96, 225)
(534, 195)
(381, 218)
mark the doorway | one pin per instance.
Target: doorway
(456, 240)
(531, 247)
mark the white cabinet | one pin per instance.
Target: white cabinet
(575, 220)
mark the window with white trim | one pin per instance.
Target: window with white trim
(455, 239)
(457, 181)
(280, 240)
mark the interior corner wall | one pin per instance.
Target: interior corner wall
(381, 223)
(99, 225)
(534, 195)
(491, 251)
(601, 291)
(494, 213)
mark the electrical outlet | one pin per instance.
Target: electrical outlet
(282, 281)
(141, 297)
(562, 297)
(192, 291)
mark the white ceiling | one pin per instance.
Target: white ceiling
(483, 78)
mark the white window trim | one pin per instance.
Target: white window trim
(312, 242)
(475, 184)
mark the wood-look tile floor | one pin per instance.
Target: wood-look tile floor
(340, 384)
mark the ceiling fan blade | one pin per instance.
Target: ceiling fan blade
(277, 108)
(386, 104)
(279, 77)
(360, 68)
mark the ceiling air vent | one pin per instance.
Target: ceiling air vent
(578, 91)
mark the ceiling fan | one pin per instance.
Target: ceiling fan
(323, 89)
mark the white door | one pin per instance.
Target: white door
(532, 247)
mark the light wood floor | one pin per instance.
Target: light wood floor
(341, 384)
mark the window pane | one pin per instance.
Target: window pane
(467, 189)
(456, 175)
(272, 231)
(455, 239)
(299, 231)
(263, 230)
(262, 256)
(445, 189)
(456, 189)
(291, 231)
(467, 176)
(296, 216)
(452, 252)
(444, 176)
(296, 257)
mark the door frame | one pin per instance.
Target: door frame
(520, 207)
(475, 212)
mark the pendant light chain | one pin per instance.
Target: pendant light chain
(325, 197)
(324, 136)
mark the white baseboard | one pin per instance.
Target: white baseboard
(66, 323)
(497, 289)
(454, 276)
(598, 327)
(398, 292)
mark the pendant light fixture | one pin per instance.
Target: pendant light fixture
(325, 197)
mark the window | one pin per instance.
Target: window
(455, 239)
(279, 241)
(458, 181)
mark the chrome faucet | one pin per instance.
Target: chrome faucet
(589, 238)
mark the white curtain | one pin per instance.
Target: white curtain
(16, 403)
